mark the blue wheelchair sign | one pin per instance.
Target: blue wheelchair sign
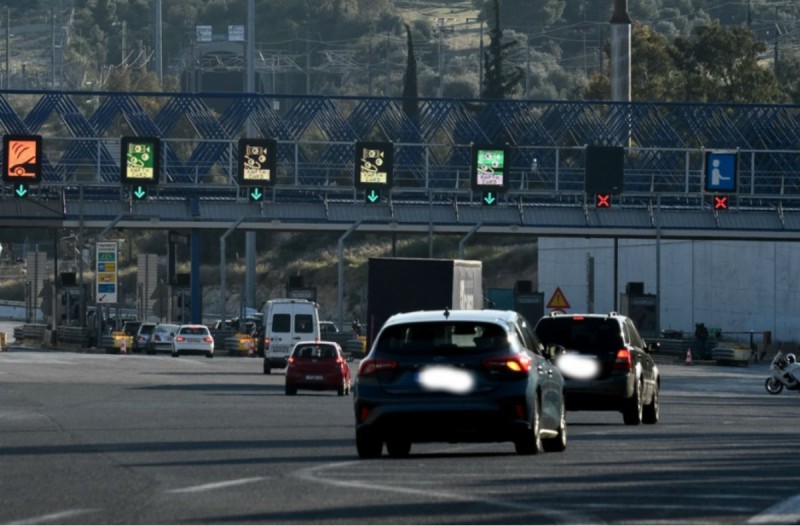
(721, 171)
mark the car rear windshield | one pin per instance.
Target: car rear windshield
(194, 330)
(592, 335)
(458, 337)
(320, 352)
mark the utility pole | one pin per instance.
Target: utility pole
(8, 48)
(158, 42)
(441, 29)
(250, 235)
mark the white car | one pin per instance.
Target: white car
(193, 338)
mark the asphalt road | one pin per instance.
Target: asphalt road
(103, 439)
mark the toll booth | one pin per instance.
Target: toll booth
(641, 308)
(527, 302)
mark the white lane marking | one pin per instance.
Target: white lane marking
(216, 485)
(54, 518)
(559, 516)
(784, 512)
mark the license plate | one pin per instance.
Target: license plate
(313, 377)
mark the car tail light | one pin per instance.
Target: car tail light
(363, 414)
(623, 362)
(291, 359)
(339, 360)
(208, 339)
(519, 363)
(373, 365)
(266, 342)
(180, 339)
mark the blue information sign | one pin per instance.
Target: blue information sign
(721, 168)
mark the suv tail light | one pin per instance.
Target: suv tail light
(373, 365)
(519, 363)
(623, 362)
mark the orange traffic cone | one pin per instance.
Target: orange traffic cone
(688, 357)
(123, 349)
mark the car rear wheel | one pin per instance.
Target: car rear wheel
(290, 390)
(209, 355)
(368, 444)
(652, 411)
(267, 368)
(559, 442)
(398, 447)
(632, 413)
(175, 354)
(530, 441)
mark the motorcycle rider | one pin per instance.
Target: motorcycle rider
(789, 366)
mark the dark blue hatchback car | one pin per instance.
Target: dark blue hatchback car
(458, 376)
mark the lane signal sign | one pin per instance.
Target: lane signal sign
(21, 190)
(374, 165)
(720, 202)
(372, 196)
(140, 160)
(489, 198)
(140, 193)
(22, 159)
(257, 162)
(256, 194)
(602, 201)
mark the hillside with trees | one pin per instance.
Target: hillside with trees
(683, 50)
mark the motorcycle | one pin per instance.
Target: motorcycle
(783, 370)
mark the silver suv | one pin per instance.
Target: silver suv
(606, 364)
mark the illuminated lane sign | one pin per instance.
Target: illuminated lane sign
(374, 164)
(489, 168)
(140, 161)
(22, 159)
(720, 202)
(489, 198)
(372, 196)
(602, 201)
(257, 162)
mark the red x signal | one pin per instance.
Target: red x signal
(720, 202)
(602, 200)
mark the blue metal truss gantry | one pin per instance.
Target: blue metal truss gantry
(316, 136)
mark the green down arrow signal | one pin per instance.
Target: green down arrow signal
(256, 195)
(373, 196)
(140, 192)
(489, 198)
(21, 190)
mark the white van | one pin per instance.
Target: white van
(286, 322)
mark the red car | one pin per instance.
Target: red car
(317, 366)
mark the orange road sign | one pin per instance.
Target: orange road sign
(21, 162)
(558, 301)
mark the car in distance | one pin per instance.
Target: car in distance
(161, 338)
(458, 376)
(606, 364)
(193, 338)
(142, 338)
(317, 366)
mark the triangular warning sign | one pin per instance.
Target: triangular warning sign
(558, 300)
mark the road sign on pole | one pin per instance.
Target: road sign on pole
(106, 270)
